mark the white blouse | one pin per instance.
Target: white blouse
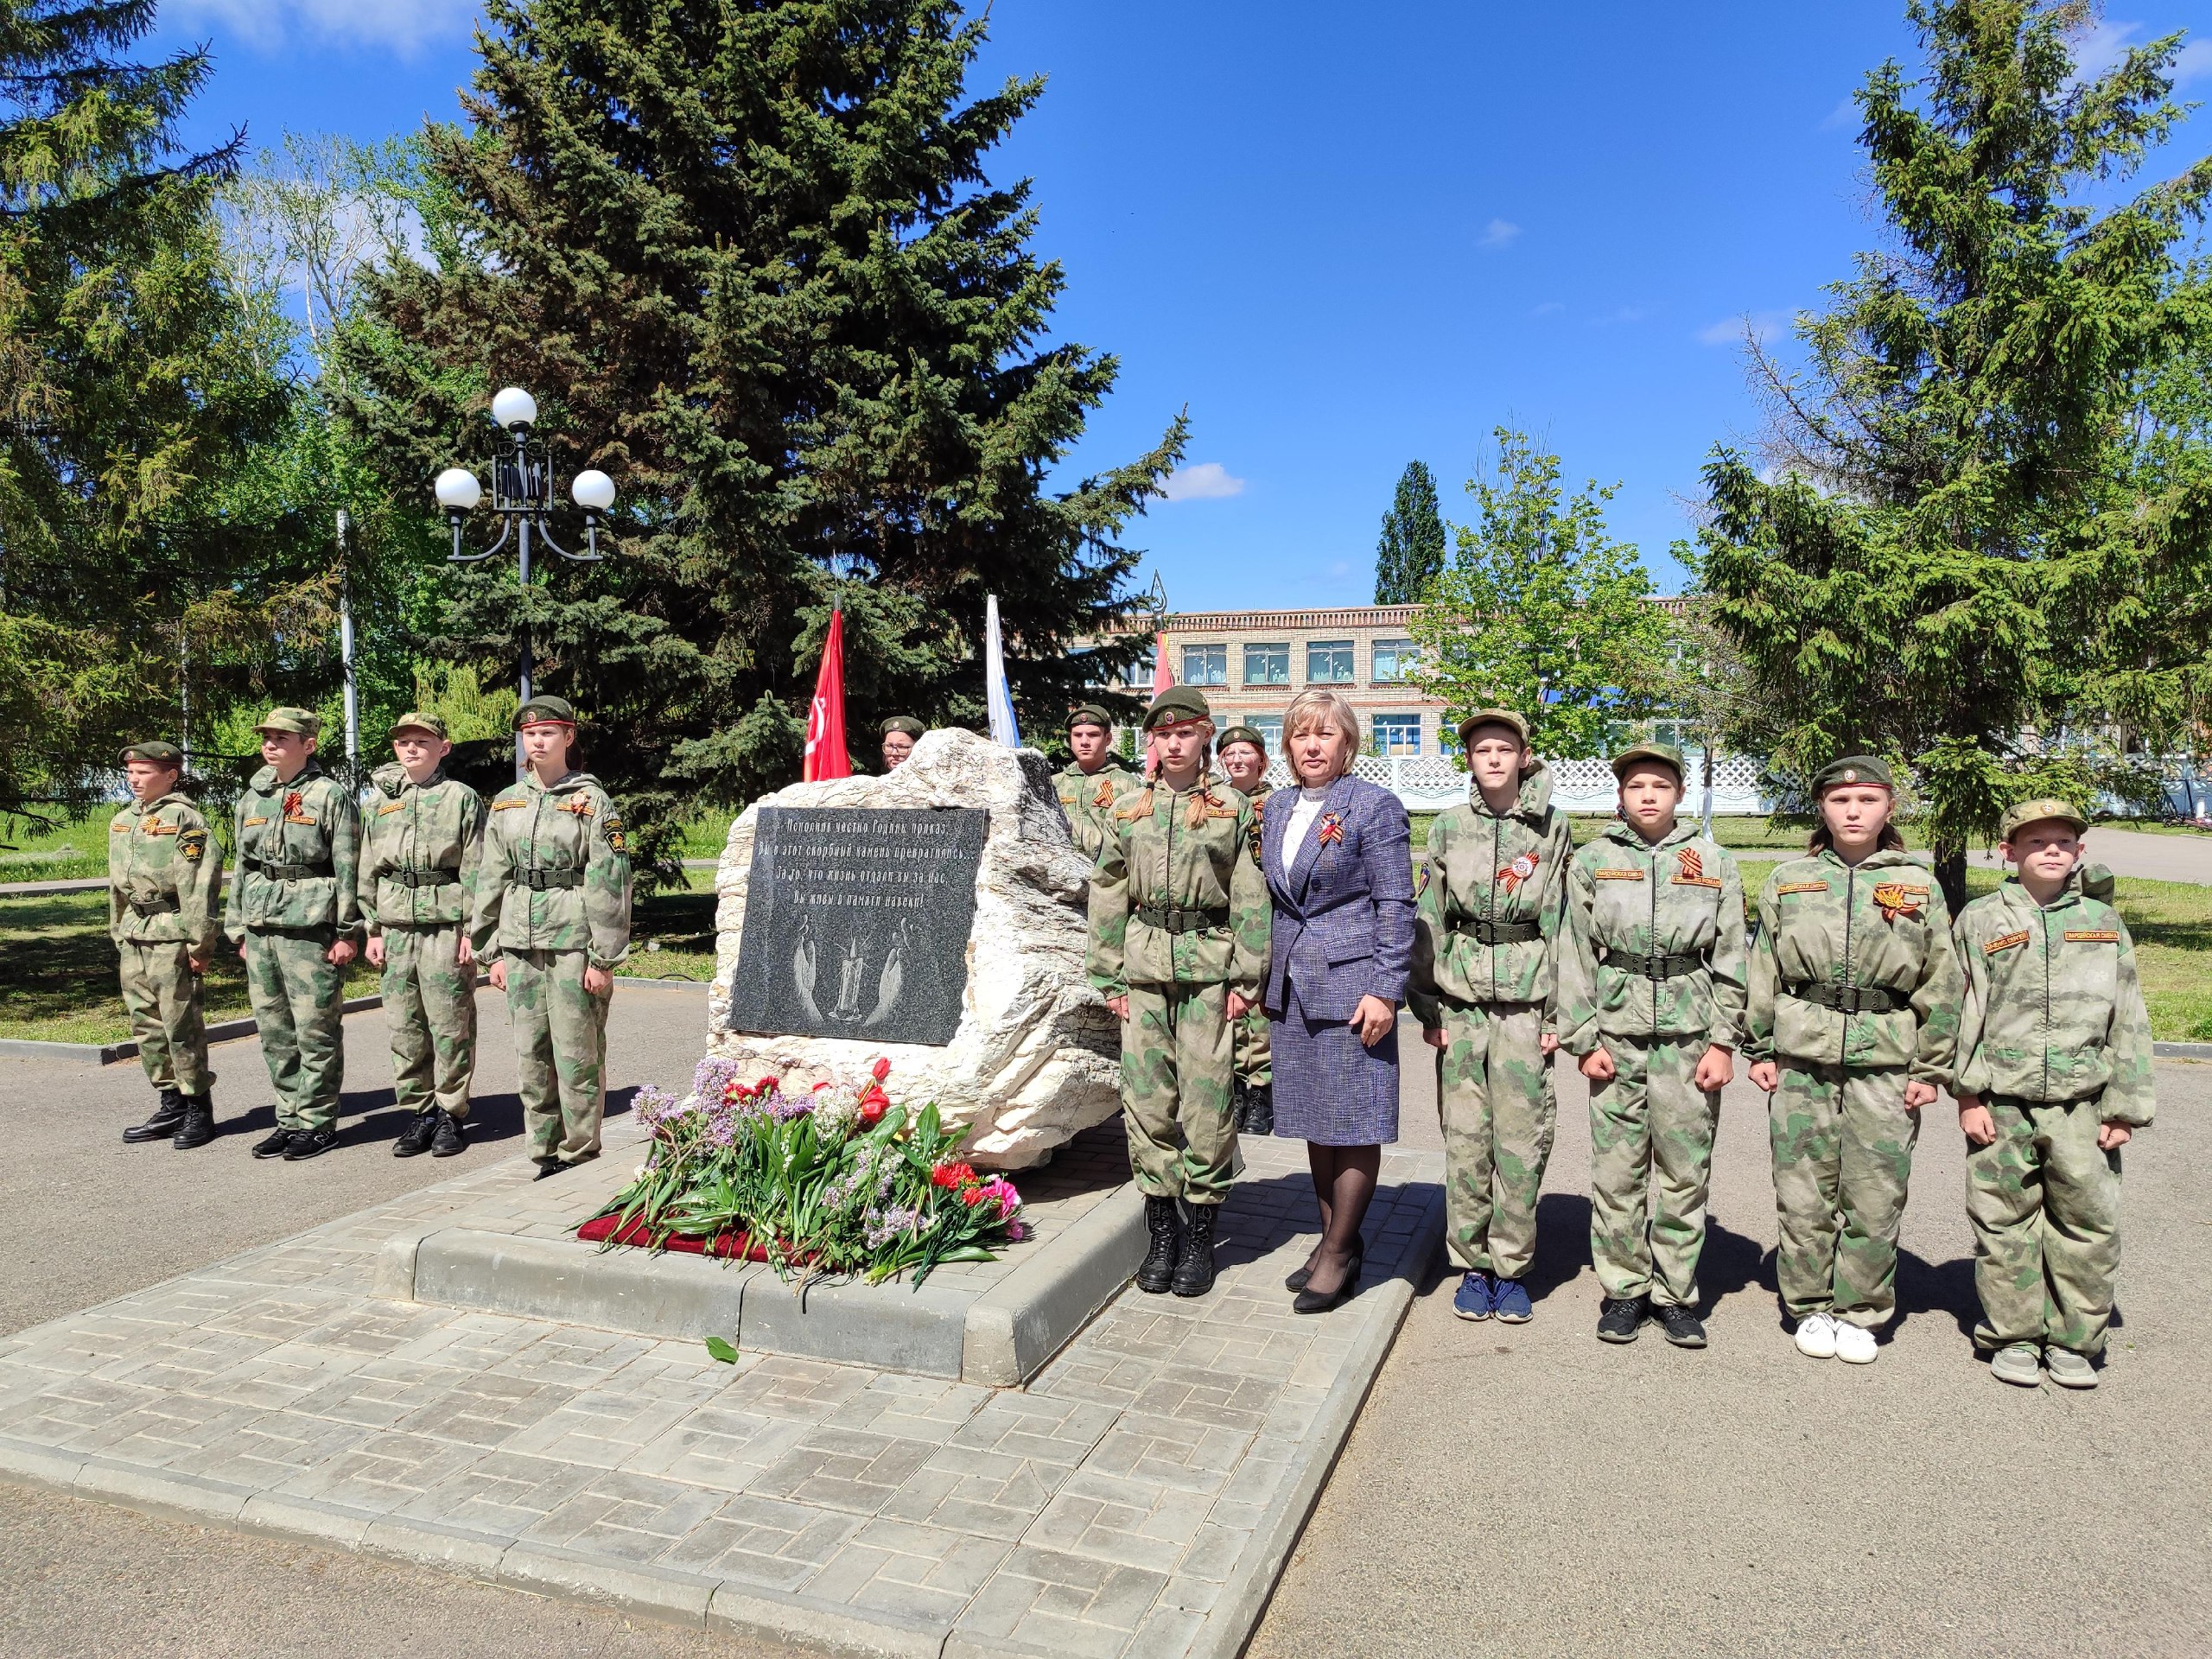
(1301, 823)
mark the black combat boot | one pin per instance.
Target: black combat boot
(447, 1138)
(1259, 1116)
(415, 1137)
(199, 1128)
(1165, 1227)
(167, 1114)
(1194, 1262)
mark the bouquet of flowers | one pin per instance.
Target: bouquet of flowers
(836, 1180)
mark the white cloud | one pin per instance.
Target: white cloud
(401, 27)
(2100, 46)
(1208, 480)
(2193, 63)
(1549, 308)
(1764, 325)
(1844, 114)
(1497, 233)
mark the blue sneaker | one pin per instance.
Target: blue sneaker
(1474, 1300)
(1510, 1301)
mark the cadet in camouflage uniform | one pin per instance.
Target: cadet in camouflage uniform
(162, 875)
(1087, 784)
(295, 916)
(1486, 936)
(1852, 1027)
(553, 902)
(1178, 944)
(1651, 1001)
(900, 733)
(421, 839)
(1243, 754)
(2055, 1074)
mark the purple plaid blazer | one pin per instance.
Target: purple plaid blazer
(1344, 910)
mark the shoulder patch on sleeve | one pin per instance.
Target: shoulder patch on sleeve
(192, 844)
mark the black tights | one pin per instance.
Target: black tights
(1344, 1185)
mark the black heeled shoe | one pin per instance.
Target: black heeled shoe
(1298, 1279)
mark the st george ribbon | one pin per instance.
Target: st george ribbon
(856, 923)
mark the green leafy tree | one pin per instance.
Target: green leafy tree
(1411, 551)
(749, 261)
(1942, 560)
(1542, 611)
(133, 381)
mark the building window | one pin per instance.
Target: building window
(1395, 733)
(1266, 664)
(1394, 661)
(1205, 664)
(1328, 662)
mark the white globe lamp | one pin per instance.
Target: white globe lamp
(594, 491)
(512, 407)
(458, 490)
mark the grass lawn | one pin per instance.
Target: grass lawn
(69, 851)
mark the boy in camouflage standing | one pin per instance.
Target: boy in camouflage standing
(1852, 1027)
(1087, 785)
(2054, 1078)
(295, 915)
(1179, 915)
(1486, 936)
(1651, 998)
(553, 903)
(422, 841)
(1243, 751)
(163, 874)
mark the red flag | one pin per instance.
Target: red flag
(1161, 680)
(825, 719)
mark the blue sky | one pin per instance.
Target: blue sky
(1347, 237)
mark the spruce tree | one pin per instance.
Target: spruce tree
(1411, 551)
(132, 384)
(1929, 563)
(748, 259)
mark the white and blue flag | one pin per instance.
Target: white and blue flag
(996, 695)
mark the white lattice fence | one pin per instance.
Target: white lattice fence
(1429, 783)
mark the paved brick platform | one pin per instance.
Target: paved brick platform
(1138, 1497)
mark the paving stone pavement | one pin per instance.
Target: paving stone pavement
(1139, 1497)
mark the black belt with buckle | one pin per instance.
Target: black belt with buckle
(275, 871)
(1483, 931)
(1181, 921)
(540, 880)
(1668, 966)
(1849, 999)
(422, 878)
(152, 907)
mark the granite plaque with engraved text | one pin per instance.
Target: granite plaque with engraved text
(857, 922)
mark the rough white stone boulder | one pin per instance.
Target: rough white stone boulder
(1037, 1056)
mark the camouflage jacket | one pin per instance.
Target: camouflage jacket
(1190, 854)
(556, 875)
(2053, 1008)
(298, 846)
(1484, 870)
(1681, 897)
(1882, 927)
(164, 872)
(1086, 796)
(435, 826)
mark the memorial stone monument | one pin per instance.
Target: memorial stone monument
(935, 917)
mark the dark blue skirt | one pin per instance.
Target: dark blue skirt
(1329, 1087)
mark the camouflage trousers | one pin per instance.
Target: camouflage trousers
(1176, 1098)
(430, 1000)
(162, 995)
(2044, 1201)
(1842, 1142)
(1254, 1058)
(1494, 1097)
(1650, 1164)
(559, 1051)
(299, 1004)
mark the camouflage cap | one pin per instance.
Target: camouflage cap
(1665, 753)
(540, 711)
(2017, 818)
(1175, 704)
(906, 723)
(1493, 717)
(1854, 769)
(154, 753)
(415, 721)
(300, 722)
(1241, 734)
(1090, 713)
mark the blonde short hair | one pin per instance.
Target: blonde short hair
(1314, 707)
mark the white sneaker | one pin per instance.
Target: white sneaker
(1816, 1337)
(1854, 1343)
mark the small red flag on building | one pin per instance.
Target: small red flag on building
(826, 756)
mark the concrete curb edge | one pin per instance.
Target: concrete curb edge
(1018, 1325)
(2182, 1051)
